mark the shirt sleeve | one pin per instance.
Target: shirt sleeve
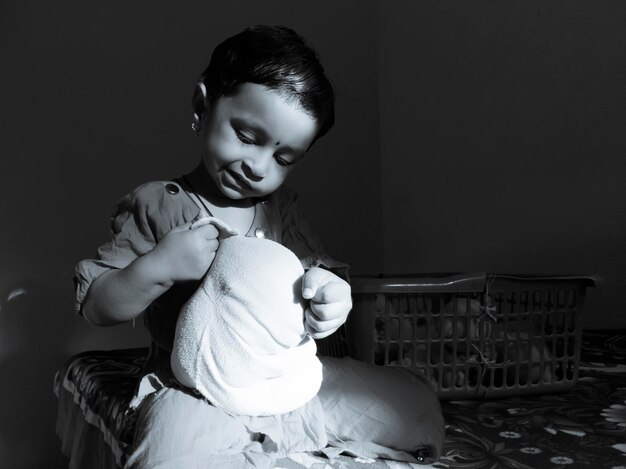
(298, 236)
(138, 221)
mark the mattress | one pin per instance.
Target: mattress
(583, 427)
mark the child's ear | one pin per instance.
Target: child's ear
(199, 101)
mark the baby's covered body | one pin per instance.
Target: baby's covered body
(240, 340)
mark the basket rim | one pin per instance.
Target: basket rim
(455, 282)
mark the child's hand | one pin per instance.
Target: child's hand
(187, 251)
(330, 302)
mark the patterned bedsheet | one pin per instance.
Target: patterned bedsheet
(584, 427)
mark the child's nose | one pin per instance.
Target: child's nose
(257, 166)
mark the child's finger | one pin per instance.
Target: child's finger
(223, 228)
(212, 245)
(330, 311)
(311, 282)
(208, 231)
(314, 280)
(315, 324)
(333, 291)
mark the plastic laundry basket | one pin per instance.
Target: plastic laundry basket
(470, 335)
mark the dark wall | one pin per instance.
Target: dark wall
(94, 100)
(502, 140)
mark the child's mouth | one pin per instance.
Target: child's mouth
(239, 181)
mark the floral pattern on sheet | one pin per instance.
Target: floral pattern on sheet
(585, 427)
(567, 429)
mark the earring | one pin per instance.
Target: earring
(195, 125)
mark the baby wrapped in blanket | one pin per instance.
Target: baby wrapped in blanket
(240, 339)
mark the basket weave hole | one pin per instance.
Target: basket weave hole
(559, 350)
(435, 329)
(537, 300)
(571, 347)
(449, 327)
(392, 328)
(421, 328)
(406, 328)
(421, 354)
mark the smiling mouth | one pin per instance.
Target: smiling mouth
(241, 182)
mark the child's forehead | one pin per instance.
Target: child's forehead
(260, 102)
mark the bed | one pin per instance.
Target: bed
(583, 427)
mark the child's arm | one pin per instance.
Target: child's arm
(122, 294)
(325, 278)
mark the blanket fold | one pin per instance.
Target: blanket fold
(240, 339)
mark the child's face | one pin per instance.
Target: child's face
(252, 139)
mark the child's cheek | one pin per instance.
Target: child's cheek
(220, 149)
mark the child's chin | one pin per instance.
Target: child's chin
(233, 192)
(238, 195)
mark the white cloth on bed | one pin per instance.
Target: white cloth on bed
(240, 339)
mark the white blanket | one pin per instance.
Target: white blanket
(240, 339)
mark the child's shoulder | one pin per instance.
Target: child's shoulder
(156, 190)
(156, 193)
(158, 200)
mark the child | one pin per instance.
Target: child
(258, 107)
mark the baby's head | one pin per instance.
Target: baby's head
(260, 104)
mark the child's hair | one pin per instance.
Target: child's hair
(278, 58)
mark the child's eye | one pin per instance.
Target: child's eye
(248, 140)
(282, 161)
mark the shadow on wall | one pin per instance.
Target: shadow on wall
(30, 354)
